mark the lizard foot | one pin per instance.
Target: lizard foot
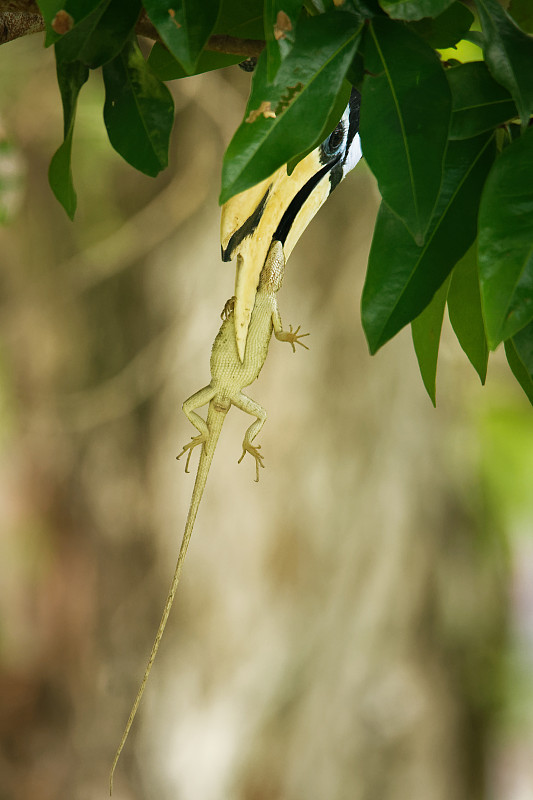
(196, 440)
(254, 451)
(228, 309)
(293, 337)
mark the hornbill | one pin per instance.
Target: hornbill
(280, 208)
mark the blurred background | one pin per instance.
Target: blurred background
(358, 625)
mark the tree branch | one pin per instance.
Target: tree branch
(235, 47)
(21, 17)
(14, 24)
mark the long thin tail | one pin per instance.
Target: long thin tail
(215, 420)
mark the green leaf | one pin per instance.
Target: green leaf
(505, 249)
(241, 18)
(522, 13)
(447, 28)
(479, 103)
(425, 330)
(63, 15)
(101, 35)
(367, 9)
(509, 54)
(184, 26)
(70, 78)
(341, 101)
(464, 309)
(414, 9)
(356, 71)
(138, 111)
(522, 373)
(403, 277)
(281, 17)
(167, 68)
(406, 104)
(476, 37)
(301, 97)
(523, 341)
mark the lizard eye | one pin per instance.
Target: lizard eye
(334, 141)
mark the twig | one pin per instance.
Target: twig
(234, 46)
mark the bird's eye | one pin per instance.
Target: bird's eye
(334, 140)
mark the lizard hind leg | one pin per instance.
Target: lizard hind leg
(197, 400)
(248, 405)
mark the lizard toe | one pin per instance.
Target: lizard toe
(254, 451)
(188, 448)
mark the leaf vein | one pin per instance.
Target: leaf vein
(400, 118)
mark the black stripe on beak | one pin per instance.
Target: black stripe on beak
(247, 228)
(285, 224)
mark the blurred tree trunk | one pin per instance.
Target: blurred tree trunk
(339, 628)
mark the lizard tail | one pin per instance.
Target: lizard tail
(215, 420)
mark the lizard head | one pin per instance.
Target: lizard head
(280, 208)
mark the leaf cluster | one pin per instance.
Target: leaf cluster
(450, 143)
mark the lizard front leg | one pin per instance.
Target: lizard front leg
(197, 400)
(293, 337)
(248, 405)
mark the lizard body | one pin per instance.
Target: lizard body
(229, 375)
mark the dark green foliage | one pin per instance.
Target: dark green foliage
(508, 52)
(402, 275)
(522, 366)
(284, 118)
(426, 330)
(62, 15)
(281, 17)
(522, 13)
(449, 142)
(464, 308)
(184, 26)
(167, 68)
(414, 9)
(101, 35)
(404, 128)
(479, 103)
(506, 242)
(447, 29)
(70, 78)
(138, 111)
(243, 19)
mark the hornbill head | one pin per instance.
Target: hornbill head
(281, 207)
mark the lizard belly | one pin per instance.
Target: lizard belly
(228, 372)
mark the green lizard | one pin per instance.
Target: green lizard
(259, 227)
(229, 376)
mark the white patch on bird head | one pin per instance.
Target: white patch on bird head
(353, 156)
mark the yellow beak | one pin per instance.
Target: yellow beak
(280, 208)
(251, 220)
